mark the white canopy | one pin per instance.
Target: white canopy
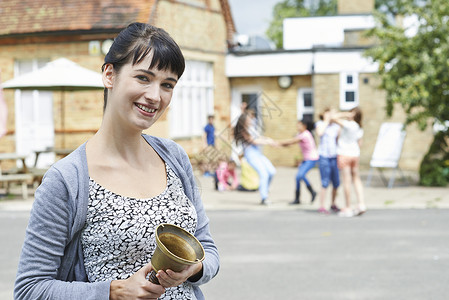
(59, 75)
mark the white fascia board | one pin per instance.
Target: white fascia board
(297, 63)
(336, 62)
(269, 64)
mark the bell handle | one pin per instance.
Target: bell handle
(153, 278)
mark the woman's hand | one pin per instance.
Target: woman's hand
(136, 287)
(170, 278)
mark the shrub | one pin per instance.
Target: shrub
(434, 169)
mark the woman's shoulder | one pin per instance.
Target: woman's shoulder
(165, 147)
(72, 162)
(161, 142)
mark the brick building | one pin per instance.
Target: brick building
(33, 33)
(322, 65)
(312, 73)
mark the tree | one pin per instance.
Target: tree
(414, 71)
(297, 8)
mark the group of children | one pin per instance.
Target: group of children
(340, 135)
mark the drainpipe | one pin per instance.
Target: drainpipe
(152, 17)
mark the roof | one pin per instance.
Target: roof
(37, 16)
(230, 26)
(24, 17)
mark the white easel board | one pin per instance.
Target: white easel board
(388, 148)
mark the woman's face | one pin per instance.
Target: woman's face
(138, 96)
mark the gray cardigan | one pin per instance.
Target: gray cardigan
(51, 265)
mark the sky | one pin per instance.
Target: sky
(252, 17)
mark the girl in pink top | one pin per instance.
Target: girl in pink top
(310, 157)
(226, 176)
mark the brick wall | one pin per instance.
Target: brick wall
(201, 34)
(372, 103)
(279, 114)
(281, 123)
(83, 110)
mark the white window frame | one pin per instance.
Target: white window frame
(349, 87)
(300, 109)
(192, 101)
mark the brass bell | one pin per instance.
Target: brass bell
(175, 250)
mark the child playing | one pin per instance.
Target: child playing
(226, 176)
(348, 153)
(249, 179)
(306, 142)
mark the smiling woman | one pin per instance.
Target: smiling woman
(96, 210)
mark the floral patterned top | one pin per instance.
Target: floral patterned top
(118, 237)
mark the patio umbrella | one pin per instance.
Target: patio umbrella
(59, 75)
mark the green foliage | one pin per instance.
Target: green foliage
(297, 8)
(414, 72)
(434, 170)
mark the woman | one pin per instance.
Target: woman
(306, 142)
(91, 229)
(348, 150)
(246, 135)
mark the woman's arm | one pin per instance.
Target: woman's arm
(44, 249)
(211, 263)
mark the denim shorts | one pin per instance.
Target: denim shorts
(329, 171)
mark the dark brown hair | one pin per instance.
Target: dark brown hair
(136, 41)
(241, 133)
(357, 115)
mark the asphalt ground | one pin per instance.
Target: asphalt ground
(399, 249)
(383, 255)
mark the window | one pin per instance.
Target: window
(350, 97)
(349, 79)
(349, 85)
(304, 107)
(193, 100)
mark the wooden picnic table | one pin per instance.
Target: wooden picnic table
(22, 176)
(56, 151)
(14, 156)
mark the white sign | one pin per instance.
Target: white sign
(387, 151)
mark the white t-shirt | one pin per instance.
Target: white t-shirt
(350, 134)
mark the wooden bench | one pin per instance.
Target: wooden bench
(24, 179)
(38, 174)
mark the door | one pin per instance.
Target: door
(305, 107)
(250, 95)
(34, 119)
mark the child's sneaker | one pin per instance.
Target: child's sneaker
(334, 208)
(323, 211)
(347, 213)
(360, 210)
